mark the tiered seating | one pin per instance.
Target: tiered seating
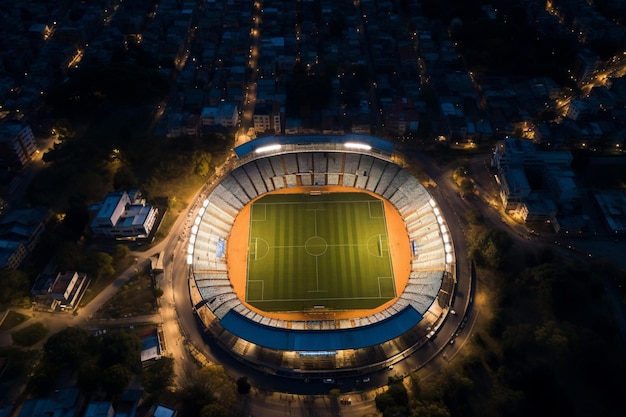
(277, 165)
(227, 196)
(231, 183)
(420, 301)
(332, 179)
(305, 179)
(223, 205)
(217, 211)
(351, 164)
(305, 162)
(319, 179)
(226, 303)
(348, 180)
(211, 291)
(396, 182)
(267, 173)
(256, 178)
(388, 174)
(373, 176)
(335, 163)
(320, 163)
(291, 164)
(291, 180)
(279, 182)
(244, 182)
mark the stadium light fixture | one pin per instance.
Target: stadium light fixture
(189, 259)
(205, 202)
(198, 220)
(268, 148)
(432, 202)
(190, 249)
(194, 229)
(356, 145)
(192, 239)
(201, 211)
(449, 258)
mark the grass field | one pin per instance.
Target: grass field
(327, 251)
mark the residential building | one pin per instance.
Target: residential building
(59, 291)
(267, 118)
(224, 114)
(20, 232)
(99, 409)
(64, 402)
(534, 184)
(17, 145)
(123, 215)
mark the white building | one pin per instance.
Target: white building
(225, 114)
(533, 183)
(123, 215)
(17, 144)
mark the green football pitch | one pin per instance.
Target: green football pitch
(327, 251)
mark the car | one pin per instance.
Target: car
(366, 379)
(328, 381)
(390, 367)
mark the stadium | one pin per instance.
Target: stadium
(320, 255)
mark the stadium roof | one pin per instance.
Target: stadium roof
(376, 143)
(321, 340)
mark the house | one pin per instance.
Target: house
(127, 405)
(20, 232)
(267, 117)
(123, 215)
(64, 402)
(17, 145)
(59, 291)
(161, 410)
(99, 409)
(534, 184)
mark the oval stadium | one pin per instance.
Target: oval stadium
(320, 255)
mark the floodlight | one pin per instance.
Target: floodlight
(356, 145)
(268, 148)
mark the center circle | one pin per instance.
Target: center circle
(315, 246)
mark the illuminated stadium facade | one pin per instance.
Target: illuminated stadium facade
(320, 342)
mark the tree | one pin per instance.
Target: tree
(101, 265)
(395, 400)
(115, 379)
(215, 410)
(120, 252)
(243, 386)
(467, 186)
(202, 163)
(120, 347)
(30, 335)
(124, 178)
(88, 377)
(429, 409)
(158, 376)
(15, 285)
(69, 347)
